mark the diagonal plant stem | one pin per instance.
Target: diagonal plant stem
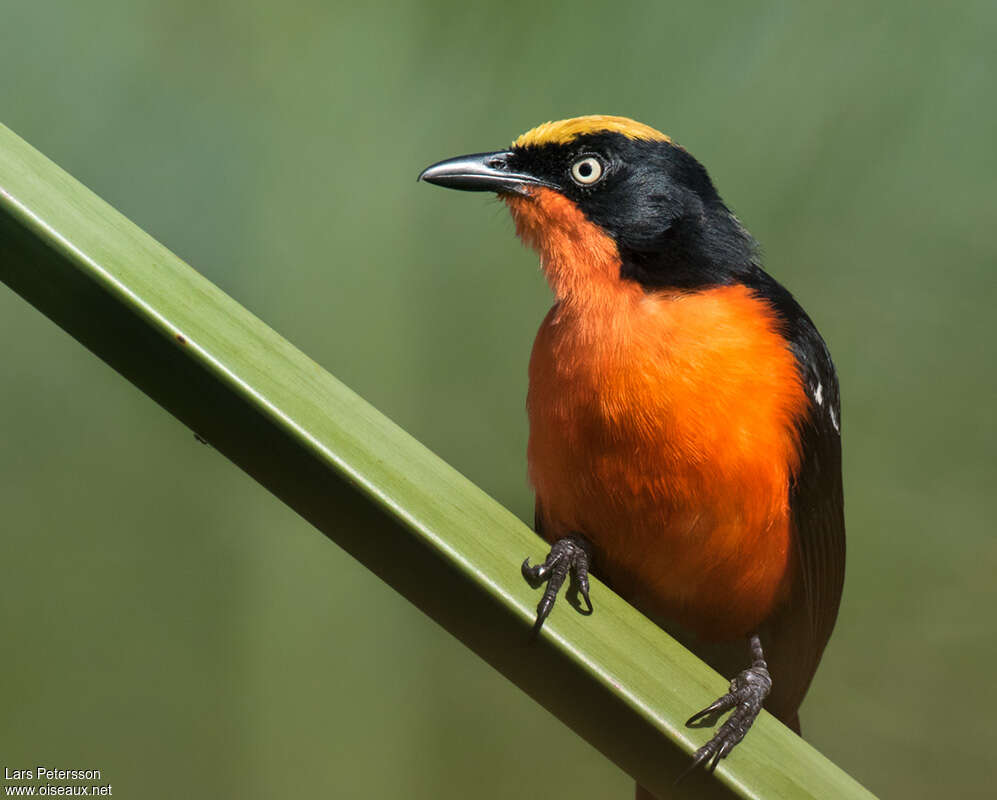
(615, 678)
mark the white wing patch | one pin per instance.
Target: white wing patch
(819, 399)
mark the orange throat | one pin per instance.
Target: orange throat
(581, 262)
(663, 426)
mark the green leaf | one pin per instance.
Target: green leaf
(614, 677)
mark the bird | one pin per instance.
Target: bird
(684, 411)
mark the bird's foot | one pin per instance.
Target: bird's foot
(747, 693)
(568, 556)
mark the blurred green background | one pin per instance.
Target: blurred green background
(167, 621)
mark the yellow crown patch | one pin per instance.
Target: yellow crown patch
(567, 130)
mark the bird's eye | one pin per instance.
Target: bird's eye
(586, 171)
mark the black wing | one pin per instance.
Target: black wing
(816, 497)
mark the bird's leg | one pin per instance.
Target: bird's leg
(747, 693)
(568, 556)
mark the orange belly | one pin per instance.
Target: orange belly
(663, 427)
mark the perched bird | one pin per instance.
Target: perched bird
(684, 413)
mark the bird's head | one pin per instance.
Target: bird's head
(608, 201)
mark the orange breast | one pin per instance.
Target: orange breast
(663, 428)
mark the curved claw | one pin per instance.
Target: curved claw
(698, 758)
(534, 575)
(568, 556)
(578, 591)
(747, 693)
(725, 703)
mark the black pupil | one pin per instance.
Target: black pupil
(585, 169)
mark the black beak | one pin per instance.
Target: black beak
(480, 172)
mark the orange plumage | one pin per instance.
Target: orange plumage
(664, 426)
